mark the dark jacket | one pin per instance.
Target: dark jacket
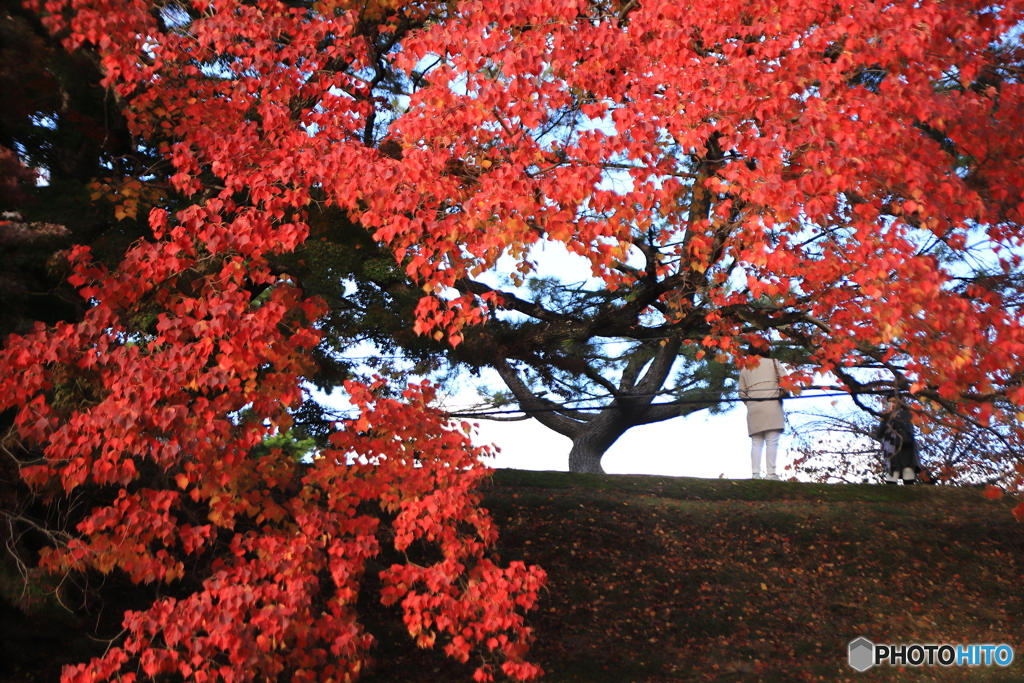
(899, 448)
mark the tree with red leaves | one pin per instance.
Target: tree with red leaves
(816, 171)
(149, 411)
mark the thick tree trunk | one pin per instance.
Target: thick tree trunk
(595, 438)
(585, 456)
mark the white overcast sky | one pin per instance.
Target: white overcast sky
(695, 446)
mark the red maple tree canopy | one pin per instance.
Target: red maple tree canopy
(799, 154)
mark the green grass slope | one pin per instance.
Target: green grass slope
(673, 579)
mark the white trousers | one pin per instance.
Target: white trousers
(768, 440)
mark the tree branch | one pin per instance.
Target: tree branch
(542, 407)
(513, 303)
(659, 368)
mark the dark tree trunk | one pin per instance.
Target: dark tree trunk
(586, 458)
(591, 444)
(595, 438)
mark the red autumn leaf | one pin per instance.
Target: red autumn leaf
(1018, 512)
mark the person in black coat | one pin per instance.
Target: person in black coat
(899, 448)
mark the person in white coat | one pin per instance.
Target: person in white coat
(765, 417)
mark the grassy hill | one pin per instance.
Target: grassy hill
(677, 579)
(661, 579)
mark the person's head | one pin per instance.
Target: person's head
(893, 403)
